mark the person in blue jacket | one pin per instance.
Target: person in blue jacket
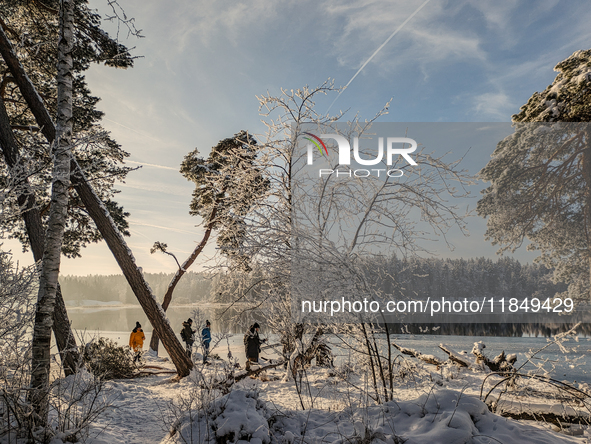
(206, 339)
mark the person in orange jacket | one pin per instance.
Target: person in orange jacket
(136, 341)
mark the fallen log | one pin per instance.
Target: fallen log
(163, 372)
(456, 357)
(500, 363)
(429, 359)
(157, 367)
(248, 373)
(273, 346)
(559, 420)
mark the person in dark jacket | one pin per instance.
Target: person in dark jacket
(252, 345)
(187, 335)
(206, 339)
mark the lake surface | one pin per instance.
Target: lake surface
(121, 318)
(573, 366)
(116, 322)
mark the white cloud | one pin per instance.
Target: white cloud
(175, 189)
(207, 22)
(494, 106)
(135, 222)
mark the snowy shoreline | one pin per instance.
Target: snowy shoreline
(431, 404)
(429, 407)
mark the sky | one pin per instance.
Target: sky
(201, 65)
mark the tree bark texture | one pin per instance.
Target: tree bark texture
(101, 218)
(66, 341)
(587, 176)
(100, 215)
(40, 364)
(181, 271)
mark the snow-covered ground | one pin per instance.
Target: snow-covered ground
(431, 405)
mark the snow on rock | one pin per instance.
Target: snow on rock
(511, 357)
(478, 348)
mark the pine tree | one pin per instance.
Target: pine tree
(540, 177)
(98, 210)
(31, 27)
(227, 185)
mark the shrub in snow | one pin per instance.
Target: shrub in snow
(445, 416)
(76, 401)
(237, 416)
(17, 309)
(107, 360)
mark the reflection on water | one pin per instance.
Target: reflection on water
(124, 318)
(512, 338)
(232, 320)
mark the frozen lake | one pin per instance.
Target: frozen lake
(116, 322)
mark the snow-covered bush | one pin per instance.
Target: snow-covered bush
(17, 308)
(75, 402)
(443, 416)
(237, 416)
(188, 417)
(107, 360)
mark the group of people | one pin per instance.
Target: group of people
(137, 338)
(252, 341)
(188, 336)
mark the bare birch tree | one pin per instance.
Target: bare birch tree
(50, 264)
(309, 223)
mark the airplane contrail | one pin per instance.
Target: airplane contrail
(176, 230)
(131, 129)
(376, 51)
(152, 165)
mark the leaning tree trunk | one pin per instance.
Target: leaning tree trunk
(587, 210)
(101, 217)
(40, 363)
(181, 271)
(62, 330)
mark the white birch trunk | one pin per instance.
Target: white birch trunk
(57, 218)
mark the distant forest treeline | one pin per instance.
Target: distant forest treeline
(193, 287)
(467, 278)
(458, 278)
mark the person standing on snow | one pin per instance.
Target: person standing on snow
(252, 345)
(136, 341)
(205, 340)
(187, 335)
